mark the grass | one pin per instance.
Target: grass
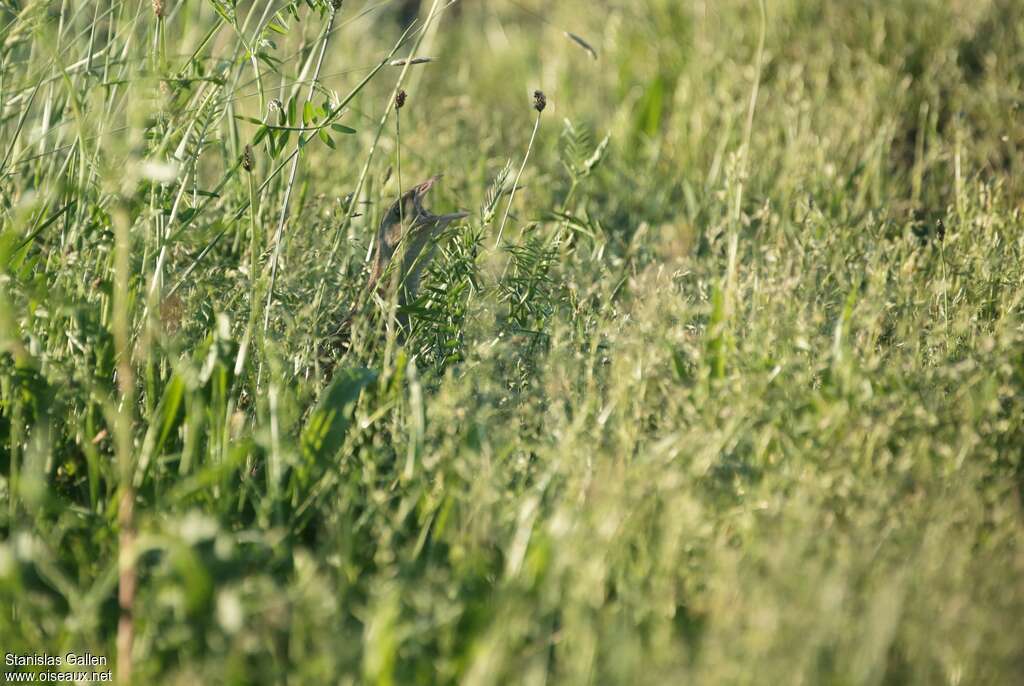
(737, 398)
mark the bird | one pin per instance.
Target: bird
(406, 241)
(411, 230)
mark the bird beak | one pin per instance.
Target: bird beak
(421, 190)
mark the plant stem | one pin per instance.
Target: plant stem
(279, 234)
(123, 426)
(515, 184)
(398, 162)
(254, 251)
(376, 138)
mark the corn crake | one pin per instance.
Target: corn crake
(405, 245)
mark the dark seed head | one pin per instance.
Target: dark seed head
(248, 159)
(336, 4)
(540, 101)
(400, 100)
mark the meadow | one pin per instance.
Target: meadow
(720, 381)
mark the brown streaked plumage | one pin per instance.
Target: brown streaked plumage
(407, 230)
(410, 229)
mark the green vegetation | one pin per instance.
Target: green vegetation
(737, 397)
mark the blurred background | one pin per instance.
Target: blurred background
(735, 398)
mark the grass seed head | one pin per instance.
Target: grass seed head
(540, 101)
(248, 159)
(276, 105)
(400, 100)
(158, 9)
(412, 61)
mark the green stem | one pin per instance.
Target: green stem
(515, 184)
(279, 234)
